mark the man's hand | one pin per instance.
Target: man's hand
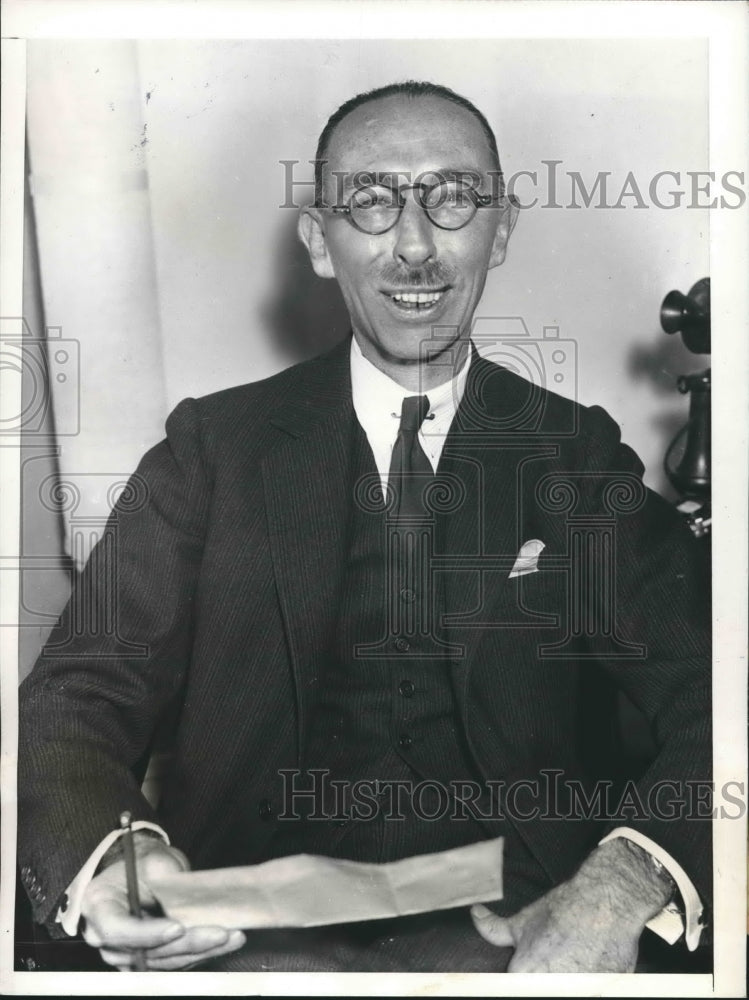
(592, 923)
(167, 945)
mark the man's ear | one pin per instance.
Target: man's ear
(312, 234)
(507, 219)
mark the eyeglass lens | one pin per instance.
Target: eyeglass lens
(449, 205)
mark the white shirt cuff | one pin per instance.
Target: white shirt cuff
(70, 917)
(670, 922)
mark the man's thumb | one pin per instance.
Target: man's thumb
(496, 930)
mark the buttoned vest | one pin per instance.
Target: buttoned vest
(386, 752)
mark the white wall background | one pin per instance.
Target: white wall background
(157, 186)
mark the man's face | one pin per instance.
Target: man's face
(406, 137)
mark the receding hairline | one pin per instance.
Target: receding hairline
(381, 113)
(411, 90)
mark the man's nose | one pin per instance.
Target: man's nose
(414, 244)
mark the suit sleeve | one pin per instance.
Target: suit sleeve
(661, 602)
(113, 664)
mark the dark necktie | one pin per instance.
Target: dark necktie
(410, 469)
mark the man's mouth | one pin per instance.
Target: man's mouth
(416, 300)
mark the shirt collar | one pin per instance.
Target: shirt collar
(376, 396)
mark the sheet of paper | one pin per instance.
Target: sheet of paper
(308, 891)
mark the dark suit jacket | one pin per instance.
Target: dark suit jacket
(213, 593)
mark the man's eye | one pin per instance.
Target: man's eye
(449, 196)
(373, 198)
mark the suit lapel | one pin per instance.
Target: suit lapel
(307, 485)
(485, 450)
(306, 482)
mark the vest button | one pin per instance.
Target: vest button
(405, 741)
(406, 688)
(408, 595)
(265, 809)
(402, 645)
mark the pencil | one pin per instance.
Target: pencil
(133, 896)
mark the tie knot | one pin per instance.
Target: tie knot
(413, 411)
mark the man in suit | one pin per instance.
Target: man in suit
(397, 563)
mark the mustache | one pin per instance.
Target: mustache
(430, 275)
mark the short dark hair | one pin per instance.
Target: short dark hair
(408, 88)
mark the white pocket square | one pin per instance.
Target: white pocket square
(527, 560)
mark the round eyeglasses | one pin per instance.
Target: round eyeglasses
(450, 204)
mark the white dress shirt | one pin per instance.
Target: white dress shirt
(377, 404)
